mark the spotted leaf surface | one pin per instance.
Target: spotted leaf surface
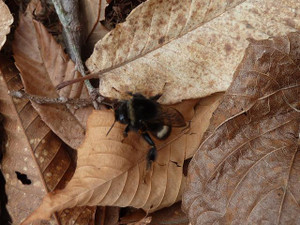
(185, 49)
(247, 170)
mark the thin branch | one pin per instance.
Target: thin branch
(77, 102)
(68, 14)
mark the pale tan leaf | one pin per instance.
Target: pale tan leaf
(185, 49)
(43, 64)
(113, 172)
(34, 150)
(247, 169)
(5, 22)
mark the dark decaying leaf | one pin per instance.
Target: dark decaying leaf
(36, 160)
(117, 11)
(170, 215)
(247, 170)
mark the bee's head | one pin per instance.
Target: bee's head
(121, 113)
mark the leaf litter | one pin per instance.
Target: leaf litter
(225, 60)
(247, 168)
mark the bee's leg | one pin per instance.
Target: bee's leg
(155, 97)
(137, 95)
(125, 132)
(130, 93)
(151, 156)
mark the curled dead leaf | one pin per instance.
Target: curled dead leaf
(247, 170)
(112, 171)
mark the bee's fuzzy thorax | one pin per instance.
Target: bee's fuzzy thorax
(131, 112)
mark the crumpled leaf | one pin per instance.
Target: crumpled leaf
(113, 172)
(6, 20)
(247, 170)
(34, 151)
(185, 49)
(43, 65)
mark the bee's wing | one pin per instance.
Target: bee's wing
(172, 117)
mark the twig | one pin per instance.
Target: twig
(46, 100)
(68, 14)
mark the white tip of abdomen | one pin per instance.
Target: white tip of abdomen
(163, 132)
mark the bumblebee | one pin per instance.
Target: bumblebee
(142, 114)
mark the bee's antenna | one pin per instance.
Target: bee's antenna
(111, 128)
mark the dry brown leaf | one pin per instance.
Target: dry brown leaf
(92, 12)
(112, 172)
(109, 215)
(19, 156)
(33, 150)
(5, 22)
(43, 65)
(185, 49)
(247, 170)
